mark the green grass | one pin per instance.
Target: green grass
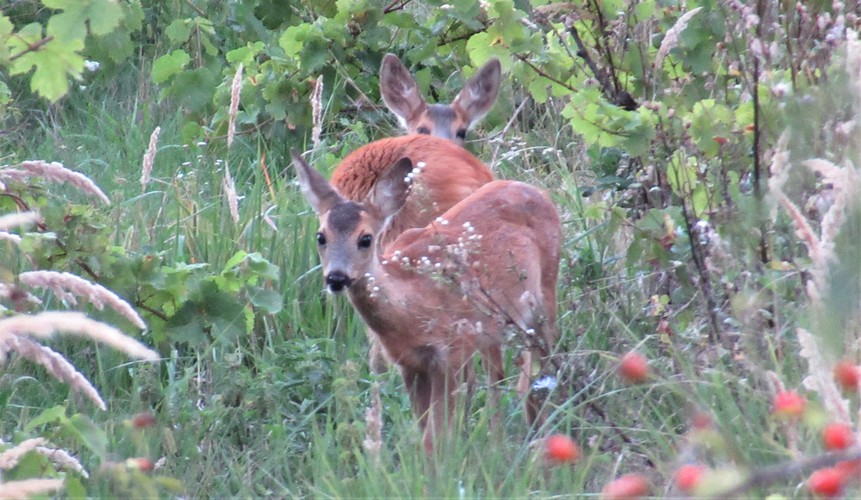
(279, 411)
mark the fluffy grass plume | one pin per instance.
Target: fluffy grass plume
(16, 220)
(149, 158)
(235, 89)
(10, 458)
(46, 324)
(58, 366)
(24, 489)
(55, 172)
(67, 287)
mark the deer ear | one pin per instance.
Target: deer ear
(399, 90)
(478, 95)
(391, 190)
(317, 190)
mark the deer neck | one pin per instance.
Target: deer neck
(382, 298)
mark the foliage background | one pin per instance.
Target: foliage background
(652, 123)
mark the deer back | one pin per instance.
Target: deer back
(492, 259)
(450, 174)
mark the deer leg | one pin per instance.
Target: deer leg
(379, 359)
(442, 401)
(419, 390)
(495, 374)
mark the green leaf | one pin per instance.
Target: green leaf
(54, 63)
(246, 54)
(48, 415)
(178, 31)
(168, 65)
(90, 435)
(261, 266)
(74, 488)
(71, 24)
(234, 261)
(269, 301)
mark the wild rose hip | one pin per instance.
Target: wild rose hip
(826, 482)
(627, 487)
(688, 477)
(837, 436)
(634, 368)
(847, 375)
(560, 448)
(788, 404)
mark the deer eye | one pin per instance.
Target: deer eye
(461, 133)
(321, 239)
(365, 241)
(423, 130)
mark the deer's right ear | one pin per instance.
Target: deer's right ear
(391, 190)
(317, 190)
(399, 90)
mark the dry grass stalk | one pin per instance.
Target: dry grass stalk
(149, 158)
(58, 366)
(15, 490)
(671, 39)
(235, 90)
(16, 220)
(56, 172)
(10, 458)
(67, 287)
(374, 425)
(820, 379)
(230, 192)
(46, 324)
(63, 459)
(317, 111)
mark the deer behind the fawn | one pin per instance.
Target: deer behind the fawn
(449, 121)
(438, 294)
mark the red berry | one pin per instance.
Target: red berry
(627, 487)
(142, 464)
(847, 375)
(701, 420)
(850, 469)
(788, 404)
(143, 420)
(826, 482)
(688, 477)
(634, 368)
(837, 436)
(561, 448)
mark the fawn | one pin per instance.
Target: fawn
(437, 294)
(450, 174)
(449, 121)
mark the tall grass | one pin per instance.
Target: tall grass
(281, 411)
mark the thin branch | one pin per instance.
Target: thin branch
(32, 47)
(543, 73)
(396, 5)
(779, 472)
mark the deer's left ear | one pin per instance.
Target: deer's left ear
(317, 190)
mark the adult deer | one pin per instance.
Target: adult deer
(438, 294)
(449, 121)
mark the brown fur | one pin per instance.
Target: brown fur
(432, 320)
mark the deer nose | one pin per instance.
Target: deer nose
(337, 281)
